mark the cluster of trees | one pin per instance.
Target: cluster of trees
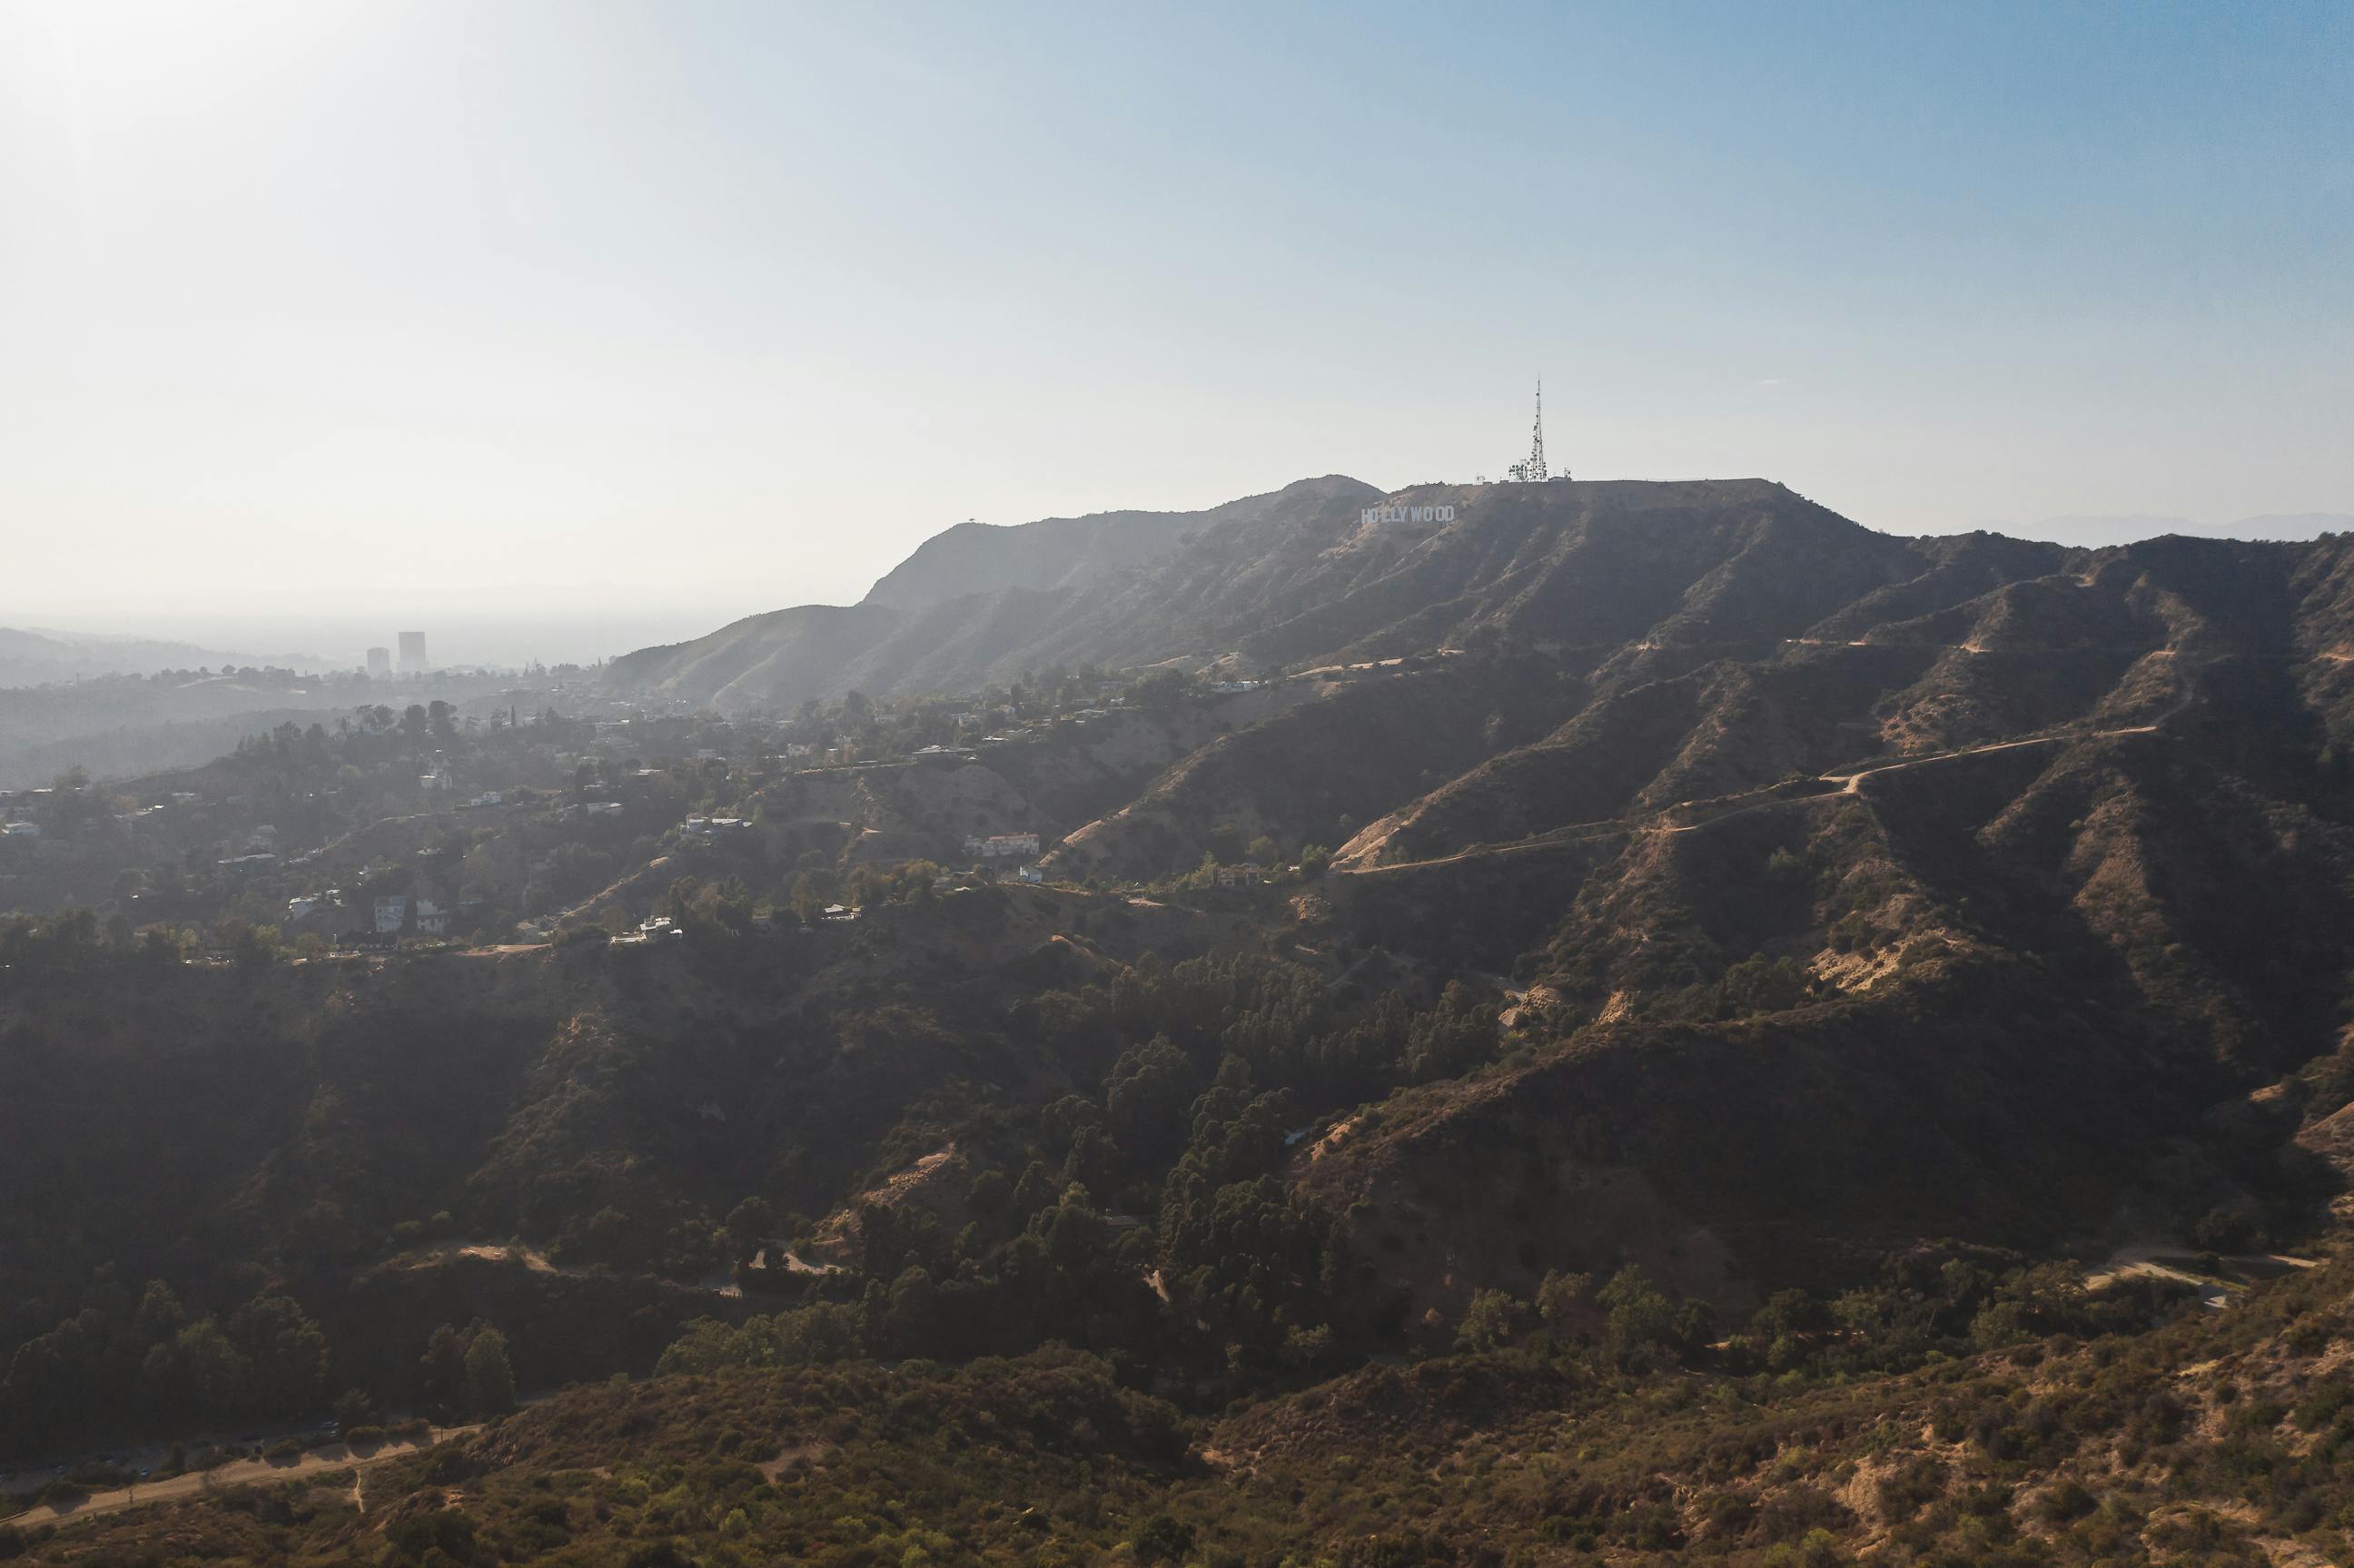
(466, 1369)
(1283, 1023)
(1226, 848)
(1145, 1215)
(142, 1363)
(143, 1359)
(1013, 1277)
(859, 728)
(73, 949)
(1930, 1302)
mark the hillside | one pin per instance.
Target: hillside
(1302, 577)
(1057, 552)
(971, 607)
(1757, 966)
(2214, 1439)
(1636, 579)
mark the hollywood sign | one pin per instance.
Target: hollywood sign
(1374, 515)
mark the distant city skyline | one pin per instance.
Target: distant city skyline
(636, 318)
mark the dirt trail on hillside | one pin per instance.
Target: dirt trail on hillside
(239, 1472)
(614, 889)
(1849, 783)
(2162, 1260)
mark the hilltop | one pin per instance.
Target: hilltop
(1058, 553)
(1618, 576)
(972, 606)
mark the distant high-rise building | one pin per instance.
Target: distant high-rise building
(412, 653)
(379, 663)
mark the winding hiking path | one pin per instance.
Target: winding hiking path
(1849, 782)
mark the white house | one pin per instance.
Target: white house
(1001, 846)
(432, 920)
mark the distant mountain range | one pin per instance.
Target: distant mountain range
(33, 658)
(2098, 533)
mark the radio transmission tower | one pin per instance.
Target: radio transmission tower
(1534, 470)
(1536, 438)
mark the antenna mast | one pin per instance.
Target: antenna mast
(1536, 441)
(1532, 468)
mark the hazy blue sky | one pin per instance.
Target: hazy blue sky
(447, 310)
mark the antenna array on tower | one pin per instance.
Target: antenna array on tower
(1532, 468)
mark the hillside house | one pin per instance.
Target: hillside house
(1002, 846)
(1247, 875)
(432, 919)
(391, 913)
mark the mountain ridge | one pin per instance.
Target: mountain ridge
(1063, 552)
(1298, 573)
